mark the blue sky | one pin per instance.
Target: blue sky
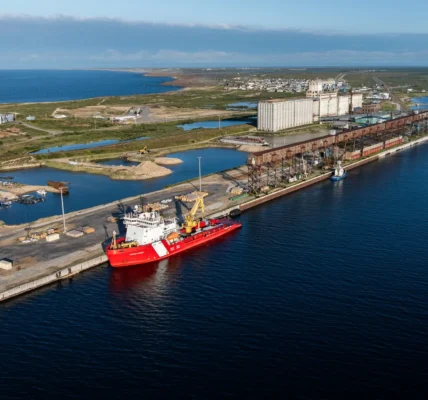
(187, 33)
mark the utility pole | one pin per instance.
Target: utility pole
(63, 216)
(200, 179)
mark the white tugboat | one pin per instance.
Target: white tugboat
(339, 172)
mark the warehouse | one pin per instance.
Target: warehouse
(9, 117)
(278, 114)
(275, 115)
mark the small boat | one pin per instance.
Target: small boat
(5, 203)
(41, 192)
(339, 172)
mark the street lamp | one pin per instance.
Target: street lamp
(200, 179)
(63, 216)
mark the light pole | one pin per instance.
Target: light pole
(200, 179)
(63, 216)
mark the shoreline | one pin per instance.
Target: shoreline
(94, 256)
(179, 87)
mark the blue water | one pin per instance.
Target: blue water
(82, 146)
(241, 105)
(215, 124)
(422, 103)
(119, 161)
(321, 295)
(88, 190)
(19, 86)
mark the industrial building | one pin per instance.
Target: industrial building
(9, 117)
(278, 114)
(275, 115)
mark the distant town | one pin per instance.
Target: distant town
(278, 85)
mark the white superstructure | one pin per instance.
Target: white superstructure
(339, 171)
(148, 227)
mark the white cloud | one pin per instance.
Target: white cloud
(336, 57)
(220, 26)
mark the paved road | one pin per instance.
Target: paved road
(43, 256)
(50, 131)
(395, 99)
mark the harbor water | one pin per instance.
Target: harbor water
(215, 124)
(90, 145)
(321, 295)
(20, 86)
(88, 190)
(420, 103)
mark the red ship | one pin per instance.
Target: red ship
(150, 237)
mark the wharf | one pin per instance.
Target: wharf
(41, 263)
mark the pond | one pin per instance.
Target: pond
(83, 146)
(87, 190)
(420, 103)
(242, 105)
(215, 124)
(118, 162)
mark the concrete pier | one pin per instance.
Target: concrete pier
(43, 263)
(53, 277)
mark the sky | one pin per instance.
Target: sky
(198, 33)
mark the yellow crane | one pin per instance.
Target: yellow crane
(144, 150)
(190, 221)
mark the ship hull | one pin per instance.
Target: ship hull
(336, 178)
(162, 249)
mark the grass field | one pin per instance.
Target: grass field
(166, 135)
(398, 79)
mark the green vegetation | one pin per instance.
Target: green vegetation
(44, 110)
(399, 79)
(161, 136)
(47, 131)
(313, 128)
(388, 107)
(210, 98)
(71, 124)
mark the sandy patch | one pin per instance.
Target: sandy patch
(23, 189)
(167, 161)
(7, 196)
(250, 149)
(145, 170)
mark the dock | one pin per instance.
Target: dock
(41, 263)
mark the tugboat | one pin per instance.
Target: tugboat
(339, 173)
(150, 237)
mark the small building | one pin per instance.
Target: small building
(6, 264)
(370, 108)
(8, 117)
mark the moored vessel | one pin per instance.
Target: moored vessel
(339, 172)
(150, 237)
